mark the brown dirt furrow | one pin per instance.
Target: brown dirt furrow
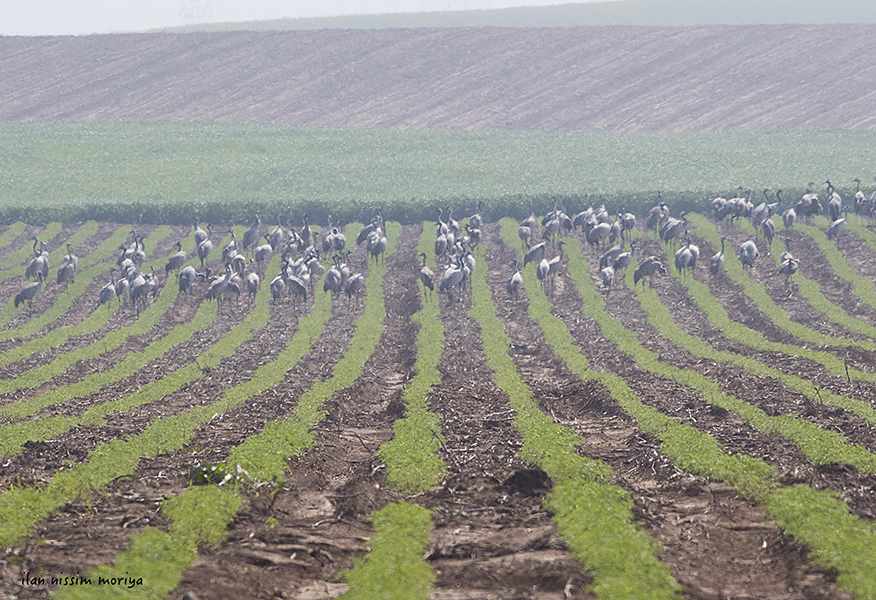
(680, 510)
(729, 429)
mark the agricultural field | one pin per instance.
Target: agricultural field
(553, 434)
(704, 436)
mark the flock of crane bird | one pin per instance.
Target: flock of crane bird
(299, 269)
(302, 255)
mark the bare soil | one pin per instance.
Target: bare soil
(573, 78)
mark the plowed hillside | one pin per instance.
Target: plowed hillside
(577, 78)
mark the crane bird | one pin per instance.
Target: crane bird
(718, 259)
(39, 263)
(834, 202)
(607, 278)
(206, 246)
(556, 263)
(252, 234)
(426, 275)
(648, 268)
(748, 253)
(836, 227)
(29, 291)
(108, 292)
(187, 277)
(177, 260)
(683, 258)
(516, 281)
(68, 265)
(252, 285)
(788, 265)
(200, 234)
(277, 235)
(624, 259)
(476, 220)
(769, 231)
(452, 276)
(657, 214)
(542, 270)
(534, 254)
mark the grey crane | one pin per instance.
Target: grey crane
(748, 253)
(476, 220)
(29, 291)
(607, 275)
(834, 202)
(788, 265)
(252, 234)
(206, 246)
(277, 235)
(39, 263)
(836, 227)
(624, 259)
(426, 274)
(177, 260)
(67, 269)
(769, 231)
(516, 282)
(534, 254)
(200, 234)
(717, 261)
(108, 292)
(648, 268)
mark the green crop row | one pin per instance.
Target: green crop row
(264, 455)
(821, 520)
(660, 317)
(192, 520)
(862, 288)
(758, 294)
(21, 256)
(587, 509)
(394, 569)
(22, 507)
(72, 294)
(199, 516)
(112, 340)
(10, 235)
(411, 457)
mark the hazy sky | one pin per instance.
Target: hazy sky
(78, 17)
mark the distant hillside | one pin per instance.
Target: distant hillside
(564, 78)
(615, 12)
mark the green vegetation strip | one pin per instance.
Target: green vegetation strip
(661, 319)
(411, 457)
(55, 257)
(836, 537)
(862, 287)
(10, 235)
(74, 293)
(191, 518)
(587, 509)
(21, 257)
(37, 376)
(226, 171)
(761, 299)
(394, 569)
(152, 566)
(22, 507)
